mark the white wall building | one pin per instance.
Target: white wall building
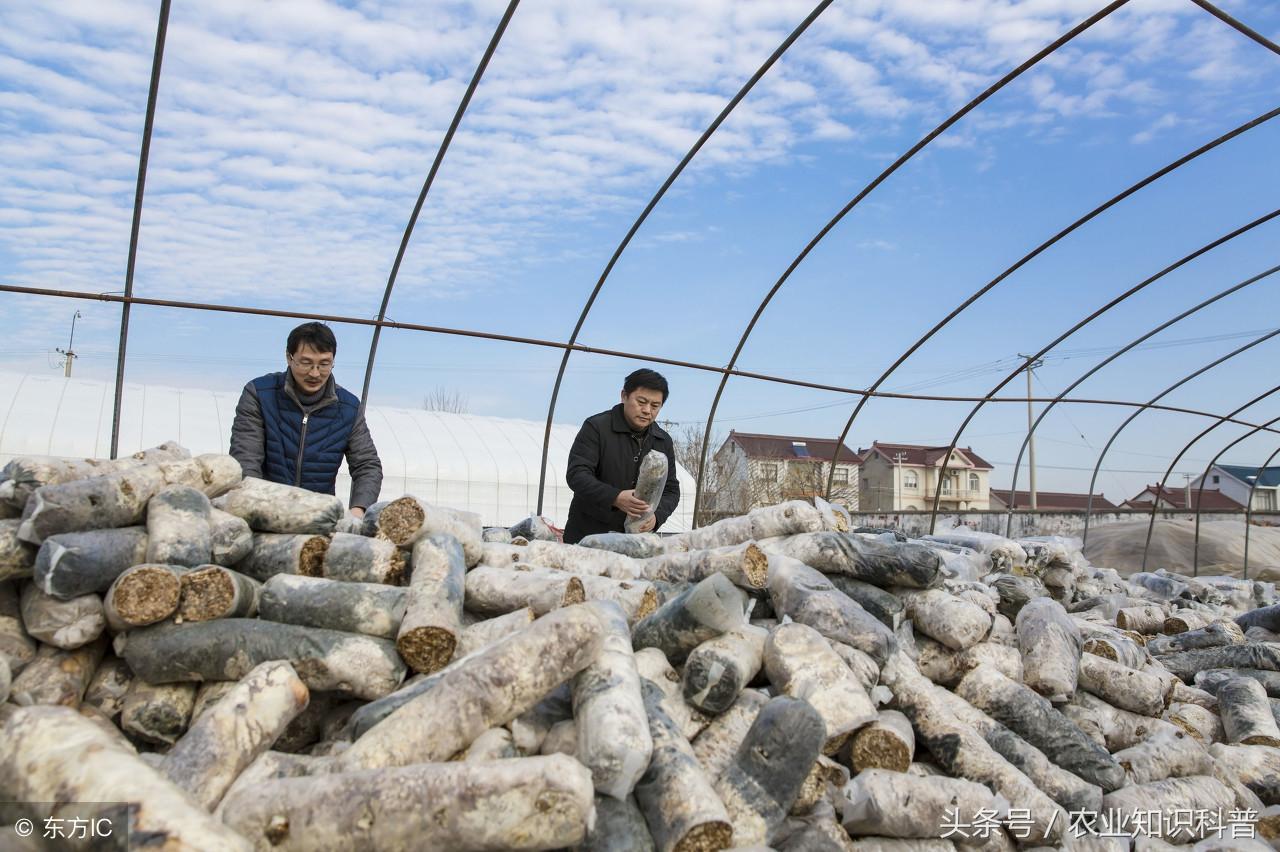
(487, 465)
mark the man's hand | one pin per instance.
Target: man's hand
(351, 522)
(648, 524)
(356, 512)
(628, 502)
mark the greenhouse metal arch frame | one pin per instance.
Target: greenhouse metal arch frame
(128, 299)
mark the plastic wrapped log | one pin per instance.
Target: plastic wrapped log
(1168, 798)
(1210, 679)
(946, 667)
(213, 592)
(650, 481)
(760, 785)
(230, 540)
(677, 799)
(652, 665)
(619, 827)
(15, 643)
(488, 689)
(373, 609)
(408, 519)
(1147, 619)
(142, 595)
(562, 738)
(495, 535)
(229, 648)
(964, 753)
(702, 612)
(20, 478)
(887, 743)
(1002, 632)
(273, 765)
(307, 728)
(1167, 755)
(744, 564)
(719, 669)
(484, 633)
(1126, 688)
(108, 686)
(613, 738)
(115, 500)
(887, 607)
(157, 713)
(178, 530)
(1257, 767)
(493, 744)
(525, 803)
(1267, 617)
(55, 676)
(1211, 636)
(638, 598)
(1246, 713)
(272, 507)
(55, 754)
(800, 663)
(1049, 642)
(357, 559)
(818, 830)
(1118, 649)
(865, 669)
(1201, 723)
(212, 473)
(1251, 655)
(824, 774)
(893, 844)
(72, 564)
(432, 620)
(1016, 591)
(1120, 729)
(17, 557)
(63, 624)
(533, 528)
(529, 730)
(210, 693)
(235, 730)
(808, 597)
(1184, 620)
(1184, 694)
(790, 518)
(1031, 716)
(892, 804)
(285, 553)
(906, 565)
(719, 742)
(954, 622)
(634, 545)
(494, 591)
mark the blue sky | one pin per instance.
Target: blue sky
(292, 139)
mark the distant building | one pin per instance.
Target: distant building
(760, 470)
(1235, 481)
(1183, 498)
(905, 476)
(1050, 501)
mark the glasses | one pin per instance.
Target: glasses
(306, 366)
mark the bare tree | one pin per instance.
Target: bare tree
(723, 492)
(449, 400)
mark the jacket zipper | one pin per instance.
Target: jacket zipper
(302, 446)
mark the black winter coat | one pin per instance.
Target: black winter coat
(604, 461)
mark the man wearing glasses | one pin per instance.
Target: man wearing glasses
(605, 461)
(294, 427)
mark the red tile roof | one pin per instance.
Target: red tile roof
(1177, 497)
(784, 447)
(916, 454)
(1053, 500)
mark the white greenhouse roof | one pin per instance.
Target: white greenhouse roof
(487, 465)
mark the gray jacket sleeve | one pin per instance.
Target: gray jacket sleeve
(364, 466)
(248, 438)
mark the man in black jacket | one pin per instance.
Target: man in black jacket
(605, 461)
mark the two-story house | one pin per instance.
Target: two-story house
(1236, 481)
(760, 470)
(897, 477)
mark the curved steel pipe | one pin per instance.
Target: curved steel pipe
(1239, 26)
(1195, 550)
(1248, 507)
(153, 91)
(1013, 488)
(1177, 264)
(1031, 255)
(644, 215)
(867, 190)
(426, 187)
(1160, 487)
(1151, 404)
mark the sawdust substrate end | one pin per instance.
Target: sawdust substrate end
(311, 559)
(427, 649)
(400, 521)
(878, 750)
(207, 593)
(707, 837)
(573, 593)
(146, 596)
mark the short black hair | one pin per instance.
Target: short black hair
(317, 335)
(646, 378)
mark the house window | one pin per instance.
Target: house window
(947, 485)
(842, 476)
(1215, 479)
(910, 480)
(769, 472)
(973, 482)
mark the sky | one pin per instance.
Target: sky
(292, 139)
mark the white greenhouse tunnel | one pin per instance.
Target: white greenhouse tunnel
(487, 465)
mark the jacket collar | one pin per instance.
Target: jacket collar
(327, 396)
(619, 423)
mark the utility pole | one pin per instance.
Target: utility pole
(1032, 363)
(69, 353)
(1187, 487)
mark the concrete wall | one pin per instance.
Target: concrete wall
(1040, 523)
